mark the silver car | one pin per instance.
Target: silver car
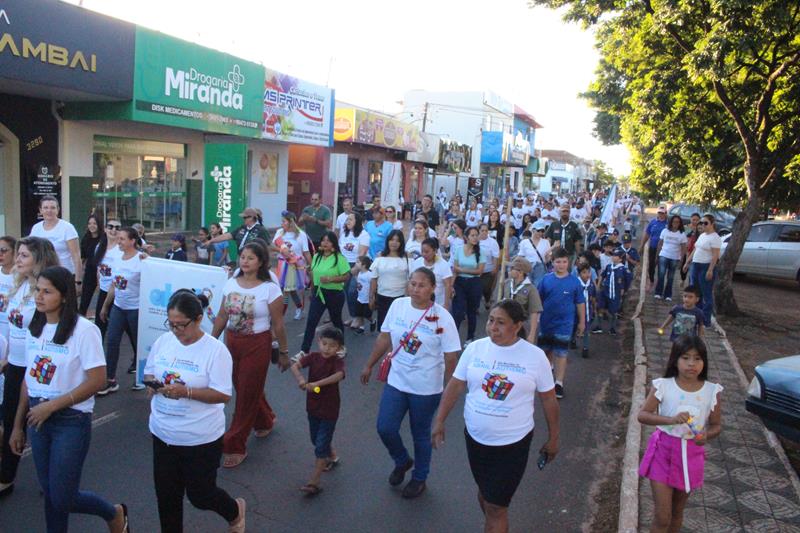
(772, 250)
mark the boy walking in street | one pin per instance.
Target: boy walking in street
(561, 294)
(614, 281)
(686, 319)
(325, 371)
(632, 258)
(590, 295)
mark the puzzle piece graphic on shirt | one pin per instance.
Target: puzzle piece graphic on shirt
(172, 378)
(120, 282)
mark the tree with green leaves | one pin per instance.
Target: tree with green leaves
(603, 176)
(706, 94)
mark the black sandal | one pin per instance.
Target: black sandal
(332, 464)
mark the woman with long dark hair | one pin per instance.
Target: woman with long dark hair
(187, 417)
(251, 313)
(89, 243)
(65, 368)
(294, 258)
(33, 255)
(703, 261)
(121, 307)
(7, 246)
(354, 243)
(330, 271)
(468, 265)
(671, 250)
(389, 275)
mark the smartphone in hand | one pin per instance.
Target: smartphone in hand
(542, 460)
(153, 384)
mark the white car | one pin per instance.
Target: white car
(772, 250)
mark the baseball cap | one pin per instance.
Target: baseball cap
(521, 264)
(178, 237)
(539, 224)
(627, 238)
(662, 209)
(619, 252)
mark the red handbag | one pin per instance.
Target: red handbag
(386, 364)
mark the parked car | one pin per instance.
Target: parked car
(774, 396)
(772, 250)
(723, 217)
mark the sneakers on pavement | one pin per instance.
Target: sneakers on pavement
(559, 391)
(612, 331)
(137, 386)
(597, 330)
(414, 488)
(298, 313)
(132, 368)
(585, 353)
(657, 296)
(399, 473)
(111, 386)
(668, 299)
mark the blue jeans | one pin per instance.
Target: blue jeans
(466, 299)
(119, 321)
(321, 432)
(420, 408)
(537, 273)
(666, 269)
(706, 287)
(351, 292)
(59, 449)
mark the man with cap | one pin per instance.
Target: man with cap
(566, 233)
(632, 258)
(250, 229)
(650, 240)
(519, 288)
(316, 220)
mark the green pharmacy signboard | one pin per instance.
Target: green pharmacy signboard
(177, 83)
(224, 186)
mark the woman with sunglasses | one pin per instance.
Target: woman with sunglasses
(330, 271)
(189, 379)
(703, 260)
(89, 242)
(105, 255)
(121, 306)
(294, 258)
(391, 218)
(33, 256)
(64, 369)
(251, 313)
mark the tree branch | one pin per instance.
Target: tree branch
(782, 160)
(765, 101)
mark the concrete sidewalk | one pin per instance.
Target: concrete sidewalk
(747, 486)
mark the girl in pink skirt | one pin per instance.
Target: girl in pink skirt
(686, 410)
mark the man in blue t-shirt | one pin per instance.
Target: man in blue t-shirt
(561, 294)
(650, 239)
(378, 229)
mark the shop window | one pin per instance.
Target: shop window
(148, 188)
(375, 177)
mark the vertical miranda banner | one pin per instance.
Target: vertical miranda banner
(224, 187)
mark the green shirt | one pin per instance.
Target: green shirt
(330, 266)
(315, 230)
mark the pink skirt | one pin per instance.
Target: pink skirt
(663, 462)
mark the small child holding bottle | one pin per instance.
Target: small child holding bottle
(685, 408)
(325, 371)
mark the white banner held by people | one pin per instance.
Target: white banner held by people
(160, 279)
(608, 208)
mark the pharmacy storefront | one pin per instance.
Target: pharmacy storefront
(144, 160)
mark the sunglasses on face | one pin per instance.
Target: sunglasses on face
(113, 226)
(702, 223)
(4, 250)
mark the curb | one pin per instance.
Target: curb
(629, 485)
(769, 435)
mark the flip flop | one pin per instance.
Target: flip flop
(261, 433)
(333, 463)
(310, 490)
(232, 460)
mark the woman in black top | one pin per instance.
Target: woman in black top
(89, 242)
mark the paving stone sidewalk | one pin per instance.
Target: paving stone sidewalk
(746, 486)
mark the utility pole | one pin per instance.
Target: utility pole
(424, 116)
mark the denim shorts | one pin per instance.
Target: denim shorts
(321, 435)
(555, 343)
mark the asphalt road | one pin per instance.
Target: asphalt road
(356, 496)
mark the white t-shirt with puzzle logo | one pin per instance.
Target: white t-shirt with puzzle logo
(127, 278)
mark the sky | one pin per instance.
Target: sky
(372, 51)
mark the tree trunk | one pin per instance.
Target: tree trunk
(724, 299)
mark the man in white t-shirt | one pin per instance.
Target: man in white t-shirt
(341, 220)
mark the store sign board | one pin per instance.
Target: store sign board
(297, 111)
(455, 157)
(427, 150)
(59, 45)
(104, 144)
(224, 184)
(177, 83)
(501, 148)
(375, 129)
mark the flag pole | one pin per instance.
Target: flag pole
(503, 263)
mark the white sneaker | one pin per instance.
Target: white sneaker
(668, 299)
(298, 313)
(657, 296)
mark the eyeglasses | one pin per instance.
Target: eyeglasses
(539, 231)
(113, 226)
(176, 327)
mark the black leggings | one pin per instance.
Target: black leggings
(487, 284)
(193, 470)
(88, 287)
(10, 461)
(383, 303)
(102, 325)
(334, 302)
(652, 263)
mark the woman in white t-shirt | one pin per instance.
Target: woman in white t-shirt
(121, 308)
(431, 259)
(490, 250)
(423, 340)
(501, 375)
(64, 369)
(389, 275)
(294, 260)
(391, 218)
(32, 257)
(251, 313)
(106, 254)
(671, 248)
(354, 243)
(414, 243)
(704, 260)
(7, 246)
(189, 377)
(473, 215)
(536, 249)
(63, 236)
